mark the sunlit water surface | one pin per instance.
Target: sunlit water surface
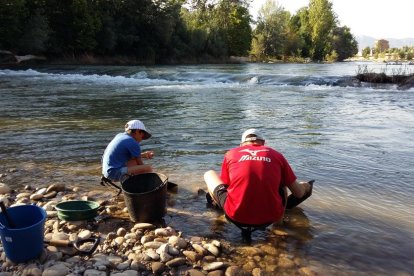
(355, 141)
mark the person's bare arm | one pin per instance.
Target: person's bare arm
(299, 189)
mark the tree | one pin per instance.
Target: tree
(85, 25)
(272, 29)
(366, 52)
(35, 34)
(322, 21)
(299, 24)
(12, 15)
(382, 45)
(344, 43)
(235, 20)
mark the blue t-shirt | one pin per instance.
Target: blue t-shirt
(118, 152)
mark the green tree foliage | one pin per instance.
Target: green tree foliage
(300, 27)
(344, 43)
(366, 52)
(272, 30)
(12, 16)
(233, 19)
(35, 33)
(166, 31)
(322, 21)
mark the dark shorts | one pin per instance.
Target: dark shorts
(220, 193)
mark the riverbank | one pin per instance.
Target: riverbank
(128, 248)
(10, 59)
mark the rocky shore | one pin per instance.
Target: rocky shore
(128, 248)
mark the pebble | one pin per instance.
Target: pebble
(121, 232)
(85, 234)
(176, 262)
(41, 191)
(199, 249)
(177, 242)
(212, 249)
(36, 197)
(4, 189)
(94, 272)
(144, 226)
(55, 188)
(213, 266)
(191, 256)
(158, 267)
(58, 269)
(51, 194)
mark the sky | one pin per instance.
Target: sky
(378, 19)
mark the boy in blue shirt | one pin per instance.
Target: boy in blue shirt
(123, 154)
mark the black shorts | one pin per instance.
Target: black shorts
(220, 193)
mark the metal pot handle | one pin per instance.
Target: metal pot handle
(108, 181)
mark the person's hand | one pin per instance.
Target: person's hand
(148, 154)
(306, 185)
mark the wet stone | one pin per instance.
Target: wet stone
(199, 249)
(56, 188)
(216, 273)
(36, 197)
(236, 271)
(136, 265)
(58, 269)
(306, 271)
(191, 256)
(32, 270)
(121, 232)
(178, 242)
(49, 195)
(194, 272)
(212, 249)
(60, 236)
(250, 251)
(144, 226)
(209, 259)
(123, 266)
(94, 272)
(153, 244)
(213, 266)
(286, 263)
(152, 254)
(268, 249)
(85, 234)
(176, 262)
(158, 267)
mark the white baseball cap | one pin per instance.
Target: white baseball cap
(253, 132)
(137, 124)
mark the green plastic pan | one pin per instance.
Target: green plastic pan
(77, 210)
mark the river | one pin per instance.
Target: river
(356, 141)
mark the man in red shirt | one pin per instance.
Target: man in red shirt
(252, 187)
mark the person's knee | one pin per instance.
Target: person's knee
(208, 174)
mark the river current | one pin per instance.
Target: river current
(355, 140)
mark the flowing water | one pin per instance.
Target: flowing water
(356, 141)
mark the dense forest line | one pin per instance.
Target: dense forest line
(172, 31)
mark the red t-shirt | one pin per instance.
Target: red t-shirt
(254, 174)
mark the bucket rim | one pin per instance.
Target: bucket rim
(41, 221)
(163, 178)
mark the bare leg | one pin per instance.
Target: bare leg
(212, 180)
